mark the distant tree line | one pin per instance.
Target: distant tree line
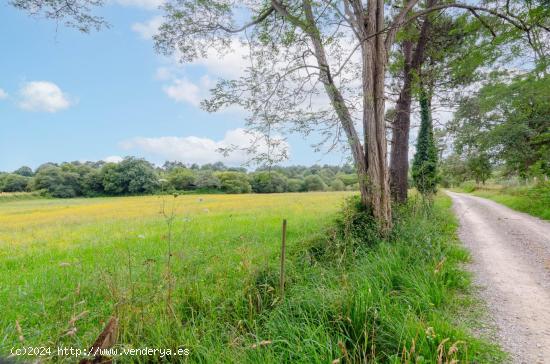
(134, 176)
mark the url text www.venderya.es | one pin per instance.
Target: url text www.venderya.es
(112, 352)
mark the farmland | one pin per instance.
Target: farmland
(105, 256)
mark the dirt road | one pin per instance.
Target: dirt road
(511, 263)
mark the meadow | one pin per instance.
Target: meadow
(200, 272)
(108, 256)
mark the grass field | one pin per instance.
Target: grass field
(66, 266)
(103, 256)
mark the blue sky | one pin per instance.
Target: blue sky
(69, 96)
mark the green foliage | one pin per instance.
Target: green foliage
(295, 185)
(269, 182)
(424, 168)
(131, 176)
(137, 176)
(13, 183)
(182, 178)
(234, 182)
(24, 171)
(506, 122)
(480, 167)
(314, 183)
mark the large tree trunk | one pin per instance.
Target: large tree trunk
(374, 69)
(399, 166)
(399, 163)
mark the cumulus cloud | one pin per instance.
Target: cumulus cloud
(42, 96)
(3, 94)
(193, 149)
(113, 159)
(148, 29)
(183, 90)
(145, 4)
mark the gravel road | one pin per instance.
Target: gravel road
(511, 263)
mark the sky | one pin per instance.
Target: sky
(67, 96)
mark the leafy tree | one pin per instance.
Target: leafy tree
(337, 185)
(295, 185)
(181, 178)
(234, 182)
(207, 179)
(57, 182)
(314, 183)
(14, 183)
(346, 42)
(131, 176)
(479, 167)
(73, 13)
(424, 169)
(268, 182)
(507, 121)
(24, 171)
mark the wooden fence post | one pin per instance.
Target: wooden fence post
(283, 248)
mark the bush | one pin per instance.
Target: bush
(468, 186)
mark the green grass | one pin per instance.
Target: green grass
(349, 295)
(534, 200)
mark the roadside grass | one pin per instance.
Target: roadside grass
(534, 199)
(350, 295)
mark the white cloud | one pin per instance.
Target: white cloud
(42, 96)
(113, 159)
(3, 94)
(145, 4)
(149, 28)
(163, 74)
(193, 149)
(183, 90)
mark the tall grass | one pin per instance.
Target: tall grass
(532, 199)
(350, 296)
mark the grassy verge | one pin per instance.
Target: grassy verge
(350, 296)
(534, 200)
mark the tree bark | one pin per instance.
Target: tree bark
(399, 162)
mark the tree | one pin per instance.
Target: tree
(73, 13)
(24, 171)
(424, 169)
(131, 176)
(337, 185)
(14, 183)
(299, 49)
(479, 166)
(314, 183)
(234, 182)
(295, 185)
(507, 121)
(181, 178)
(268, 182)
